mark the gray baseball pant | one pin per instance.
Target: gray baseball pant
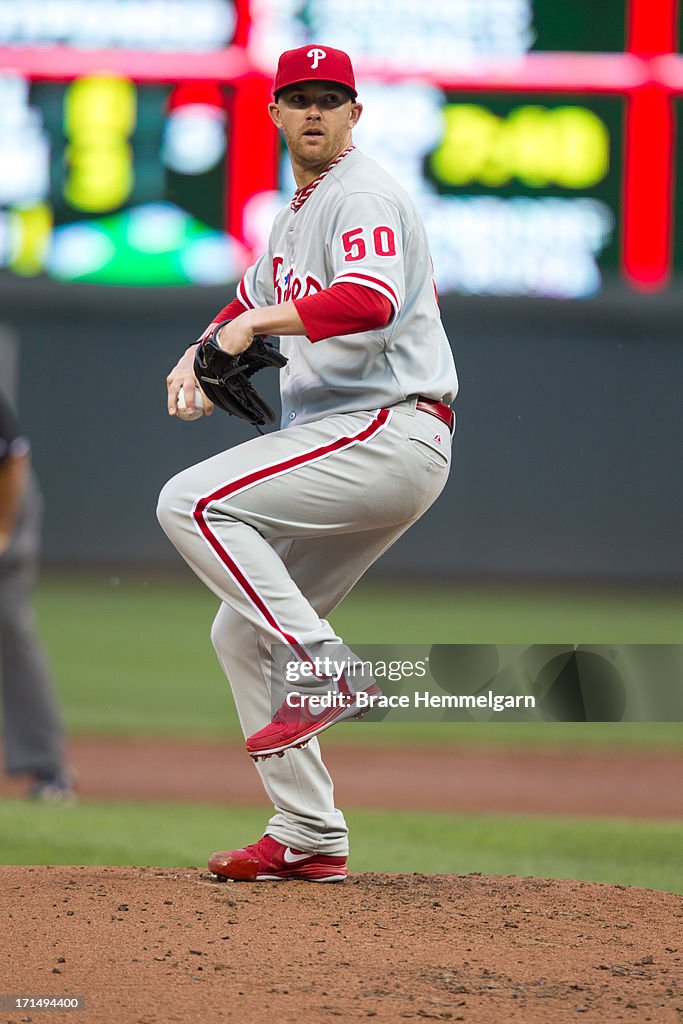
(32, 724)
(280, 528)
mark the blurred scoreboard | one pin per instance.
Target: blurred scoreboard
(537, 138)
(531, 188)
(105, 187)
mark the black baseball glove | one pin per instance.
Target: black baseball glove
(224, 379)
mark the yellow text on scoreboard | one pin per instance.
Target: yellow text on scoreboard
(565, 146)
(99, 118)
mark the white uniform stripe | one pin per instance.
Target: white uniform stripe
(374, 282)
(244, 294)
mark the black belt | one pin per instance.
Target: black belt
(442, 411)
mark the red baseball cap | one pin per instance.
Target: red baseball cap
(309, 63)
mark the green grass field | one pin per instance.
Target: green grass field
(132, 656)
(172, 835)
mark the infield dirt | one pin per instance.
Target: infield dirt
(147, 946)
(611, 783)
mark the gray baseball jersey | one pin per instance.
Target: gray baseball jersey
(355, 224)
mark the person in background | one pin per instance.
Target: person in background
(32, 726)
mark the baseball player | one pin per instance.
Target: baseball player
(281, 527)
(32, 725)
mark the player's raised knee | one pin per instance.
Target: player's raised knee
(174, 502)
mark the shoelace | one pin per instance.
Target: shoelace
(267, 847)
(281, 714)
(262, 845)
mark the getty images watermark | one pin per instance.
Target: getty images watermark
(320, 669)
(484, 682)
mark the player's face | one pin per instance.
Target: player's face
(316, 119)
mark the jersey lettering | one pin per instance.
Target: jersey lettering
(291, 286)
(355, 247)
(384, 241)
(312, 285)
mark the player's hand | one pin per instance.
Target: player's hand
(236, 335)
(182, 376)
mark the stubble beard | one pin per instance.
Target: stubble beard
(314, 163)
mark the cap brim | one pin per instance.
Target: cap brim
(302, 81)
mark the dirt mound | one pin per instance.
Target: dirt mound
(147, 946)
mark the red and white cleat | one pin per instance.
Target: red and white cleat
(295, 726)
(270, 861)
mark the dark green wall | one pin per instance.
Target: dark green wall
(567, 455)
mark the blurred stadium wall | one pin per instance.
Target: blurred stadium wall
(567, 455)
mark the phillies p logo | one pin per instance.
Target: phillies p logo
(317, 56)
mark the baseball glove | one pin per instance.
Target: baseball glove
(224, 379)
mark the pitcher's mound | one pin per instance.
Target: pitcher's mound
(146, 946)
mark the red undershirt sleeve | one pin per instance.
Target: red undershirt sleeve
(343, 309)
(229, 312)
